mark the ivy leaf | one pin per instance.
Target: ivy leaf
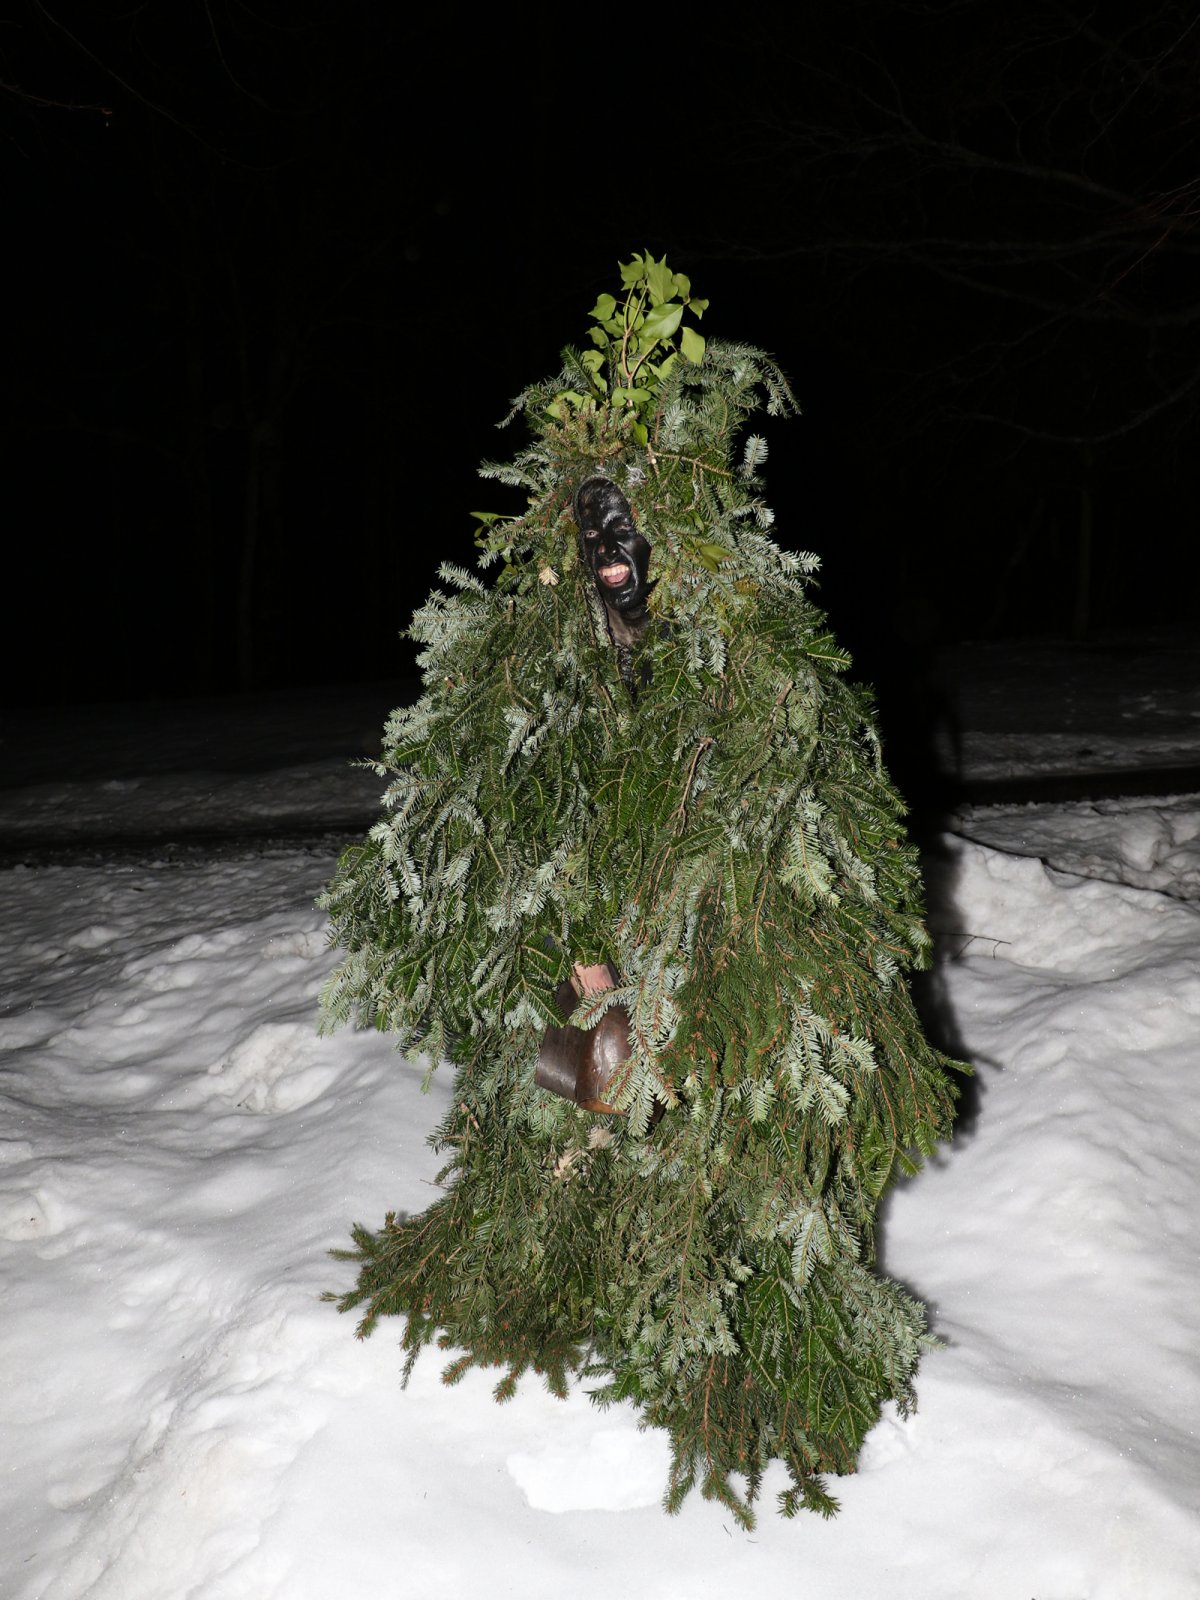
(712, 555)
(661, 280)
(691, 344)
(603, 309)
(566, 401)
(632, 272)
(662, 321)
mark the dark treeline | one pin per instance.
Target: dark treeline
(281, 269)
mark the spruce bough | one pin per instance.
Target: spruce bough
(713, 820)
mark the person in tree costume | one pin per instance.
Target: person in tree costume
(639, 854)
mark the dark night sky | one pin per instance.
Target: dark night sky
(279, 269)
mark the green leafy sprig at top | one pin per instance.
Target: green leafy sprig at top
(663, 851)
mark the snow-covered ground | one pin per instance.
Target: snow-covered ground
(182, 1416)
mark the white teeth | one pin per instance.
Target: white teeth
(613, 575)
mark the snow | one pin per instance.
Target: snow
(184, 1417)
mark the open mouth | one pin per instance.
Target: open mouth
(615, 575)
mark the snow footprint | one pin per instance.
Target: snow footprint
(187, 962)
(185, 1510)
(93, 937)
(271, 1070)
(30, 1214)
(893, 1438)
(299, 944)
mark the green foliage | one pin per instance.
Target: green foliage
(638, 343)
(730, 842)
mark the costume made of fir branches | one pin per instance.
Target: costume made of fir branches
(712, 820)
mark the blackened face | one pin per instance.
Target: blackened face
(618, 556)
